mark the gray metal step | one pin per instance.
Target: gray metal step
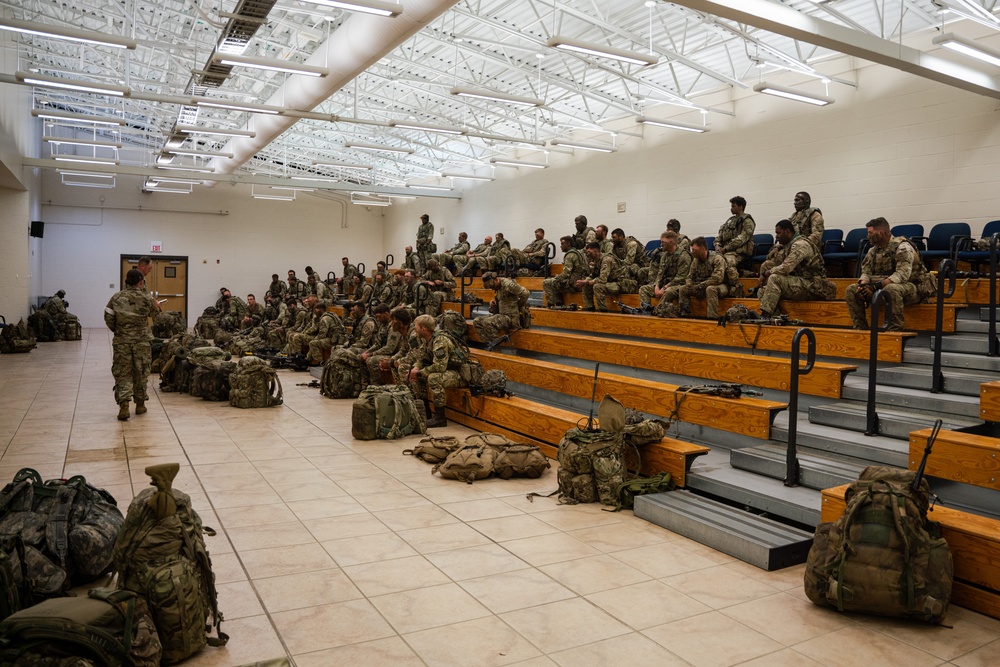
(919, 377)
(756, 540)
(916, 400)
(956, 360)
(851, 416)
(972, 326)
(984, 313)
(815, 471)
(713, 475)
(968, 343)
(834, 442)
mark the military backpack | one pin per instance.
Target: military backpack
(210, 381)
(434, 449)
(161, 555)
(386, 412)
(107, 627)
(468, 463)
(168, 324)
(17, 338)
(341, 375)
(254, 384)
(592, 462)
(15, 591)
(626, 492)
(882, 556)
(454, 323)
(520, 460)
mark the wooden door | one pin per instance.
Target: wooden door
(166, 282)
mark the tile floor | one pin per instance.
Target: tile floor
(337, 552)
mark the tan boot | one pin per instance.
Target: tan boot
(123, 411)
(140, 407)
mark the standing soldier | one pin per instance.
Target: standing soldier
(576, 266)
(607, 281)
(793, 270)
(509, 309)
(708, 279)
(808, 221)
(127, 315)
(425, 239)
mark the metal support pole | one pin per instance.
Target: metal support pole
(883, 300)
(791, 459)
(945, 270)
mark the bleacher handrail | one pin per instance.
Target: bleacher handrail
(994, 344)
(420, 295)
(390, 259)
(791, 458)
(945, 271)
(550, 254)
(881, 299)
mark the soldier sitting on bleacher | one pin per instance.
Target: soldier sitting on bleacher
(66, 324)
(892, 264)
(793, 271)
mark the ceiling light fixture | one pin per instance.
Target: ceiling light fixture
(191, 129)
(430, 187)
(253, 62)
(275, 197)
(236, 106)
(968, 47)
(75, 117)
(317, 180)
(377, 148)
(601, 51)
(71, 34)
(672, 124)
(468, 177)
(341, 165)
(152, 187)
(597, 148)
(85, 160)
(792, 94)
(496, 96)
(440, 129)
(364, 6)
(181, 181)
(90, 143)
(196, 153)
(46, 81)
(518, 163)
(293, 188)
(181, 167)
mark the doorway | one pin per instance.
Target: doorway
(166, 282)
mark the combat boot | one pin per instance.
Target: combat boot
(140, 407)
(123, 411)
(437, 419)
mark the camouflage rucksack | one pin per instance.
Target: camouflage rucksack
(882, 556)
(106, 627)
(492, 383)
(210, 380)
(454, 323)
(341, 375)
(161, 555)
(68, 522)
(15, 588)
(626, 492)
(740, 313)
(254, 384)
(667, 309)
(387, 412)
(168, 324)
(202, 355)
(592, 463)
(17, 338)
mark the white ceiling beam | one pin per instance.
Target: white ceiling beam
(791, 23)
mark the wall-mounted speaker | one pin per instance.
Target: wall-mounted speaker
(37, 228)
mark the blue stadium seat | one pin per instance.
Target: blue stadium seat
(942, 241)
(762, 244)
(831, 241)
(913, 232)
(848, 251)
(967, 253)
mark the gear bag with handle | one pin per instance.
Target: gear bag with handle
(434, 449)
(161, 555)
(591, 462)
(254, 384)
(386, 412)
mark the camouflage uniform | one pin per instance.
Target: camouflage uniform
(56, 309)
(127, 315)
(709, 280)
(670, 275)
(320, 290)
(362, 334)
(298, 341)
(363, 293)
(633, 257)
(276, 336)
(512, 303)
(425, 241)
(584, 236)
(735, 239)
(607, 283)
(300, 290)
(383, 292)
(392, 342)
(437, 369)
(404, 358)
(413, 261)
(899, 261)
(809, 224)
(448, 257)
(796, 273)
(330, 333)
(231, 313)
(481, 250)
(278, 288)
(575, 267)
(347, 279)
(493, 257)
(255, 313)
(439, 293)
(531, 258)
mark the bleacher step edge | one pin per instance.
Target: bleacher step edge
(955, 360)
(967, 343)
(815, 472)
(759, 541)
(966, 384)
(916, 400)
(892, 424)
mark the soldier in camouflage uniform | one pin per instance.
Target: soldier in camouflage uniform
(493, 257)
(734, 242)
(630, 251)
(127, 315)
(808, 221)
(576, 266)
(441, 284)
(531, 258)
(277, 288)
(330, 333)
(460, 249)
(436, 370)
(232, 310)
(379, 360)
(683, 242)
(277, 335)
(481, 250)
(55, 308)
(363, 291)
(411, 260)
(317, 287)
(584, 234)
(406, 355)
(708, 278)
(382, 291)
(607, 282)
(298, 341)
(255, 313)
(363, 329)
(345, 280)
(793, 270)
(509, 309)
(297, 288)
(892, 264)
(670, 274)
(379, 341)
(425, 239)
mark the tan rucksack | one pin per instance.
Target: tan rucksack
(467, 463)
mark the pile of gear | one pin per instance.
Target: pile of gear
(480, 456)
(157, 607)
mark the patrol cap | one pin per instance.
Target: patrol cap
(488, 276)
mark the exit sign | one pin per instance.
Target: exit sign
(154, 246)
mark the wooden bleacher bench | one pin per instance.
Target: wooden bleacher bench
(974, 540)
(544, 425)
(967, 290)
(989, 401)
(748, 416)
(826, 379)
(843, 343)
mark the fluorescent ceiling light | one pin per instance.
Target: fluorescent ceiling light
(253, 62)
(341, 165)
(173, 191)
(293, 188)
(85, 184)
(601, 51)
(440, 129)
(370, 202)
(54, 114)
(235, 106)
(182, 181)
(495, 96)
(88, 174)
(968, 47)
(46, 81)
(197, 153)
(792, 94)
(275, 197)
(318, 180)
(401, 196)
(375, 7)
(377, 148)
(192, 129)
(598, 148)
(468, 177)
(180, 167)
(430, 187)
(71, 34)
(519, 163)
(672, 124)
(83, 142)
(85, 160)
